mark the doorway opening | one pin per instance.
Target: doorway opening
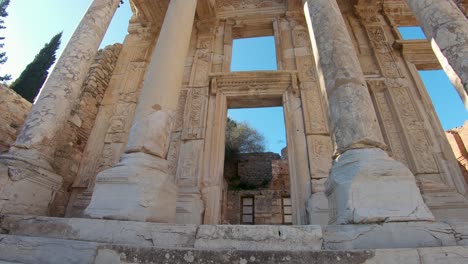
(256, 171)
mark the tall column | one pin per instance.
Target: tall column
(365, 184)
(139, 187)
(447, 28)
(29, 183)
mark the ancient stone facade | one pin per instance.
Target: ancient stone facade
(118, 123)
(137, 132)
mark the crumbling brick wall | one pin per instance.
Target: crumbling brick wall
(13, 112)
(266, 177)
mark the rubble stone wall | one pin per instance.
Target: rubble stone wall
(269, 174)
(13, 112)
(75, 134)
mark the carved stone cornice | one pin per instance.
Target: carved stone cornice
(206, 9)
(418, 52)
(150, 11)
(368, 13)
(265, 85)
(398, 13)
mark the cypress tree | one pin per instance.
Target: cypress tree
(3, 58)
(33, 77)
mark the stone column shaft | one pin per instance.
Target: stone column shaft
(140, 187)
(63, 87)
(28, 182)
(365, 184)
(447, 28)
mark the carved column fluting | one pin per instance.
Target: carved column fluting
(140, 187)
(365, 184)
(30, 180)
(447, 28)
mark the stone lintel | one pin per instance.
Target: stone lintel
(420, 53)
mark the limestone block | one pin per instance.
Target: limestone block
(138, 188)
(388, 235)
(149, 255)
(190, 208)
(26, 189)
(460, 229)
(445, 255)
(320, 150)
(317, 209)
(259, 237)
(394, 256)
(107, 256)
(103, 231)
(151, 133)
(32, 250)
(367, 186)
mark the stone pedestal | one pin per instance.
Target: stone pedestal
(140, 187)
(367, 186)
(363, 179)
(27, 180)
(447, 29)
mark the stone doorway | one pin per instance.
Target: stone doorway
(256, 188)
(255, 89)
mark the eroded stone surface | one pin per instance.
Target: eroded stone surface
(13, 109)
(388, 235)
(293, 238)
(31, 250)
(138, 188)
(103, 231)
(360, 174)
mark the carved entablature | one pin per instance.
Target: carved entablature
(150, 11)
(398, 13)
(368, 13)
(231, 8)
(266, 87)
(419, 53)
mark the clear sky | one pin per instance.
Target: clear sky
(31, 24)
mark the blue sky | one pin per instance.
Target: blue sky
(31, 24)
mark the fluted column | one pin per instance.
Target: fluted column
(365, 184)
(30, 180)
(447, 29)
(139, 187)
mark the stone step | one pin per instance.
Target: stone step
(37, 250)
(166, 235)
(238, 237)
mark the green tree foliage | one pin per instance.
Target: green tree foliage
(3, 58)
(241, 138)
(33, 77)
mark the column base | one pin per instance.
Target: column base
(26, 188)
(138, 188)
(367, 186)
